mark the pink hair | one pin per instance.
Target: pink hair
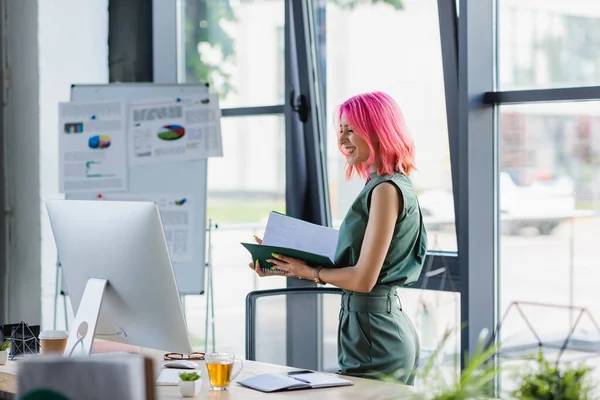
(378, 120)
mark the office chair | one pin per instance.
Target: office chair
(270, 344)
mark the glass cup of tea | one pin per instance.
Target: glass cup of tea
(220, 369)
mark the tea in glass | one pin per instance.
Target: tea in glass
(220, 370)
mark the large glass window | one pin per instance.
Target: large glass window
(549, 200)
(397, 50)
(238, 47)
(243, 187)
(546, 44)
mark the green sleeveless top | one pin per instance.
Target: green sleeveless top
(404, 260)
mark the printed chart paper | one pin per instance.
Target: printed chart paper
(174, 130)
(92, 146)
(177, 215)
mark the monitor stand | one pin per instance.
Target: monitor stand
(83, 329)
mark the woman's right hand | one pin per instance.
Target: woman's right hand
(257, 239)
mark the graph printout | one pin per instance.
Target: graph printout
(92, 146)
(174, 130)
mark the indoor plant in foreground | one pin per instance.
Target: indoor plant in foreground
(4, 346)
(475, 381)
(549, 381)
(190, 384)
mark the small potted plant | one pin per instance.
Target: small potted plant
(4, 346)
(189, 385)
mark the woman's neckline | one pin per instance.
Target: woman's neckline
(374, 174)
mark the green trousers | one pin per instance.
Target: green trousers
(376, 339)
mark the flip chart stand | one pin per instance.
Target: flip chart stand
(57, 291)
(209, 290)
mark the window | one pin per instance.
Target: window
(549, 198)
(378, 47)
(243, 187)
(548, 44)
(240, 52)
(383, 47)
(236, 48)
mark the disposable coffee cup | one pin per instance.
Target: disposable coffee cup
(53, 342)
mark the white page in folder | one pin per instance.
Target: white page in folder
(293, 233)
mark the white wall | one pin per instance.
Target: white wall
(73, 48)
(22, 143)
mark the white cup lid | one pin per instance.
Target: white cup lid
(54, 335)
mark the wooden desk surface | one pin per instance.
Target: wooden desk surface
(362, 389)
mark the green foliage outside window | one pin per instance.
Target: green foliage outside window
(203, 20)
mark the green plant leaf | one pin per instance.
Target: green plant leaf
(5, 345)
(550, 381)
(189, 376)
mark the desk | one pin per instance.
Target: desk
(362, 389)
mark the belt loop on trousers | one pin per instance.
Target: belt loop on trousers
(389, 303)
(347, 301)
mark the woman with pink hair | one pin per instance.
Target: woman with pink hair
(381, 246)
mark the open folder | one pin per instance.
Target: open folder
(292, 237)
(293, 381)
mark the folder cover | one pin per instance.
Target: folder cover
(262, 252)
(292, 237)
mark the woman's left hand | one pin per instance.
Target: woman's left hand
(293, 267)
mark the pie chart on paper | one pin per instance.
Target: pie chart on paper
(99, 142)
(171, 132)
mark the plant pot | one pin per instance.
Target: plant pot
(3, 357)
(189, 388)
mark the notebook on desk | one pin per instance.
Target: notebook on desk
(293, 381)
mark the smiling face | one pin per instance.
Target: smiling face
(354, 147)
(373, 136)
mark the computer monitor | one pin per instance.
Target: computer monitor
(119, 276)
